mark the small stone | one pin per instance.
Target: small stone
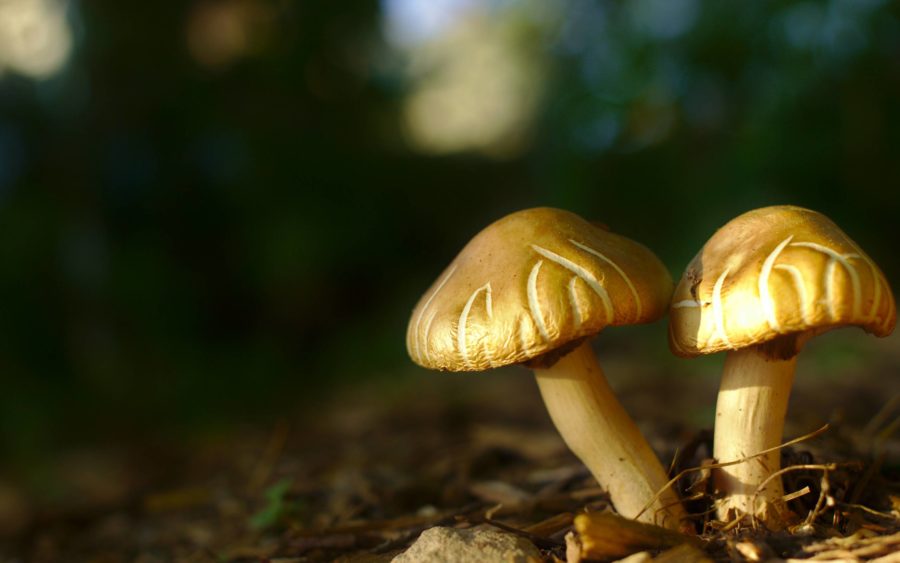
(452, 545)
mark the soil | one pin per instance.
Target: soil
(357, 476)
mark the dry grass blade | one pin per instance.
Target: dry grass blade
(551, 525)
(883, 413)
(690, 470)
(796, 494)
(825, 468)
(854, 548)
(867, 510)
(540, 541)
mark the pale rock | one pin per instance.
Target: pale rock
(452, 545)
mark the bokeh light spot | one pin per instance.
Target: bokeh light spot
(664, 19)
(474, 76)
(410, 22)
(35, 37)
(220, 33)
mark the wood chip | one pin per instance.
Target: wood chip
(606, 535)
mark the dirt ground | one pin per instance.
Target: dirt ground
(359, 475)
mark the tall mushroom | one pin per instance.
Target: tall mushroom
(763, 285)
(531, 289)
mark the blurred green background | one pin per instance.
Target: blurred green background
(214, 212)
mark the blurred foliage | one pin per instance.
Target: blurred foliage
(275, 508)
(217, 209)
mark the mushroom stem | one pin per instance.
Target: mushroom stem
(597, 429)
(750, 411)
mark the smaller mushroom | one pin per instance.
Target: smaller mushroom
(531, 289)
(763, 285)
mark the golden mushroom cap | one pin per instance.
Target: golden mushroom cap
(776, 271)
(529, 284)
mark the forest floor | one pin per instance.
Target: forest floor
(361, 475)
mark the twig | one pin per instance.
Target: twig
(684, 472)
(540, 541)
(824, 467)
(389, 545)
(734, 523)
(796, 494)
(881, 415)
(871, 511)
(824, 489)
(675, 461)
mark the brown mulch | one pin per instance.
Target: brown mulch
(358, 477)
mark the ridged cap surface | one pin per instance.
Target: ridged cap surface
(530, 283)
(776, 271)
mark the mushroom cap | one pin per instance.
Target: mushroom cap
(529, 284)
(776, 271)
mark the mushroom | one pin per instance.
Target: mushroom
(531, 289)
(763, 285)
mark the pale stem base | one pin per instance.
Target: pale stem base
(750, 411)
(597, 429)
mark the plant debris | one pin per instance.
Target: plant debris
(362, 477)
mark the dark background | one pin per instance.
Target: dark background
(215, 213)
